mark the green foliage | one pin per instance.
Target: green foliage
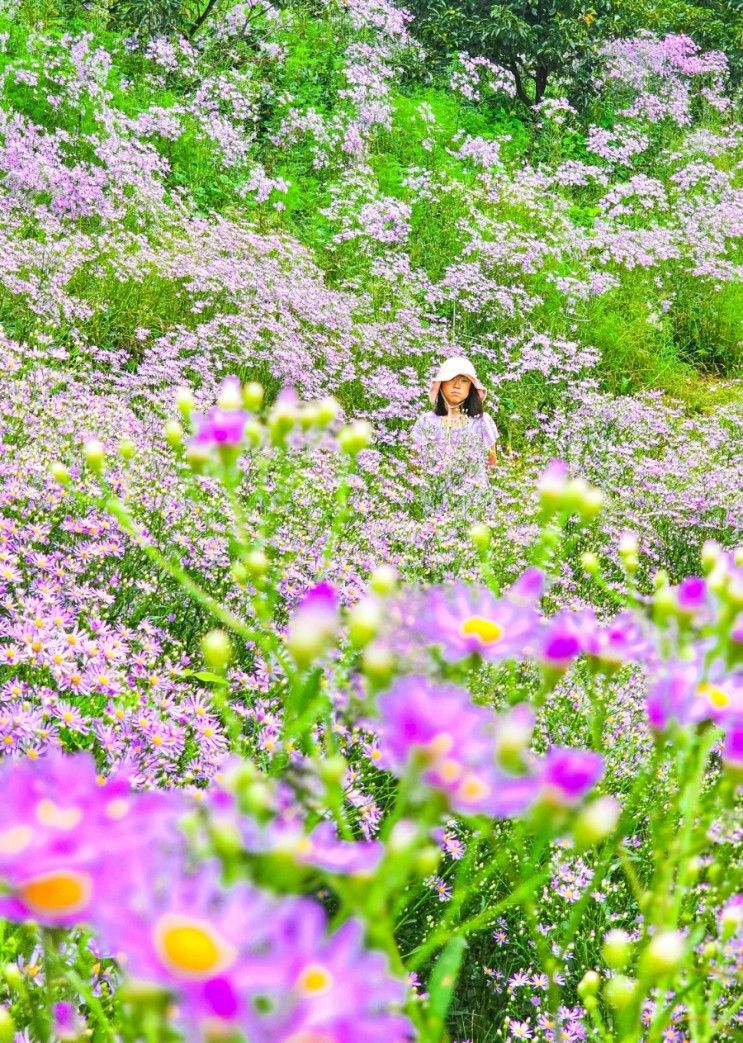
(533, 39)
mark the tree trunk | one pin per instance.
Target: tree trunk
(540, 82)
(520, 91)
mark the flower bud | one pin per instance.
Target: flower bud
(710, 554)
(327, 410)
(314, 624)
(60, 474)
(184, 401)
(197, 454)
(355, 437)
(230, 394)
(589, 984)
(590, 504)
(378, 662)
(364, 621)
(731, 918)
(253, 433)
(308, 416)
(619, 991)
(629, 550)
(95, 455)
(576, 490)
(127, 449)
(173, 434)
(403, 838)
(551, 486)
(596, 821)
(13, 975)
(616, 949)
(480, 536)
(383, 580)
(7, 1026)
(253, 396)
(664, 954)
(281, 420)
(256, 563)
(239, 572)
(332, 770)
(590, 563)
(216, 648)
(734, 592)
(427, 859)
(513, 736)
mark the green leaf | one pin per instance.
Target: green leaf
(443, 981)
(205, 675)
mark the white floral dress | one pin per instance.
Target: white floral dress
(454, 458)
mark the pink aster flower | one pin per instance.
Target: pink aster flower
(610, 645)
(330, 988)
(561, 641)
(732, 749)
(203, 943)
(313, 623)
(682, 693)
(220, 427)
(321, 847)
(454, 742)
(70, 844)
(466, 621)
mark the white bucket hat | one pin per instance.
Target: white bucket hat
(456, 366)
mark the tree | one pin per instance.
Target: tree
(534, 39)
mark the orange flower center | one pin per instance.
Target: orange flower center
(59, 893)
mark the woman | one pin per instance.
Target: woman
(456, 442)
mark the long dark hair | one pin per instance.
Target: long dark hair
(472, 405)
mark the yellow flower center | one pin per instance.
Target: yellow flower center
(117, 808)
(715, 696)
(59, 893)
(50, 814)
(314, 980)
(473, 788)
(15, 839)
(440, 745)
(487, 631)
(191, 948)
(449, 769)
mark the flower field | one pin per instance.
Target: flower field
(304, 738)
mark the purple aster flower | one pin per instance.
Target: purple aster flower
(568, 774)
(466, 621)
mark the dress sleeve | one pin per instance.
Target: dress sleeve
(489, 430)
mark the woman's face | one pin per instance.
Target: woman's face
(456, 390)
